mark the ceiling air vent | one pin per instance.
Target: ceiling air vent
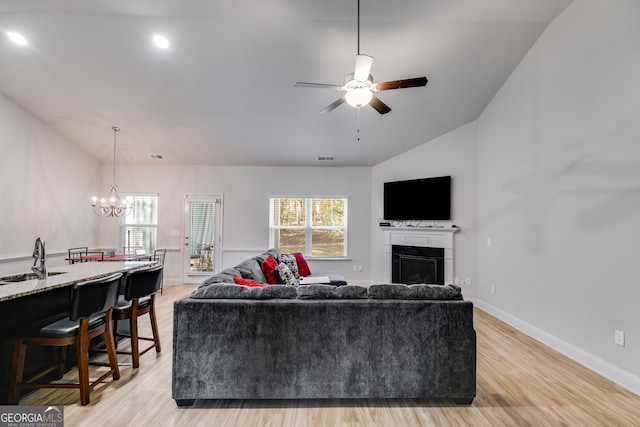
(326, 158)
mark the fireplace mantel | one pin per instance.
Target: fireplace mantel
(434, 237)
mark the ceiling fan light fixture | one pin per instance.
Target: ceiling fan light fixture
(358, 97)
(359, 85)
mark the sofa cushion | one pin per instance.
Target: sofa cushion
(291, 262)
(415, 292)
(250, 269)
(268, 269)
(233, 291)
(319, 291)
(285, 275)
(303, 267)
(248, 282)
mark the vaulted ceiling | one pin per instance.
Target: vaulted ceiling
(223, 94)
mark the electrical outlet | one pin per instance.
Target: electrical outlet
(355, 267)
(360, 268)
(467, 281)
(493, 289)
(456, 280)
(618, 337)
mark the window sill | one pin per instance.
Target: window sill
(324, 258)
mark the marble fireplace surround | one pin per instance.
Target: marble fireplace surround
(426, 237)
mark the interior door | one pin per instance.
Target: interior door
(202, 236)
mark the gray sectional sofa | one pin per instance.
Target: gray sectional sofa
(323, 342)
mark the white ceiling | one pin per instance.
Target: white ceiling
(223, 93)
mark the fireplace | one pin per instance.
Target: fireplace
(438, 243)
(415, 264)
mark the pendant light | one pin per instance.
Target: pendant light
(112, 205)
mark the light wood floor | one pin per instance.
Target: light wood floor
(520, 383)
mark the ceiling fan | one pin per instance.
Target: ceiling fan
(359, 85)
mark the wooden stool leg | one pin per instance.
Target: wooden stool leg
(133, 325)
(19, 354)
(62, 357)
(154, 324)
(116, 329)
(111, 347)
(83, 361)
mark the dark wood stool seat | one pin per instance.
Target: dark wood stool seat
(89, 317)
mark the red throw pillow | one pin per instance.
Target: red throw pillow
(268, 267)
(303, 267)
(249, 282)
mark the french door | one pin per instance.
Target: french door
(202, 236)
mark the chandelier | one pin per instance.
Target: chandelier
(112, 205)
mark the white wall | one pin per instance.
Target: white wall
(46, 185)
(559, 189)
(246, 191)
(451, 154)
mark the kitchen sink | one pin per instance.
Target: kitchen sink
(25, 276)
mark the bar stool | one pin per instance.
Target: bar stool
(89, 316)
(139, 296)
(158, 256)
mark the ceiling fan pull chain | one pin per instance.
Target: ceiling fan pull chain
(358, 130)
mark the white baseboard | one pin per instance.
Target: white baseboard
(602, 367)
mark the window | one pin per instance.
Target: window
(315, 226)
(139, 229)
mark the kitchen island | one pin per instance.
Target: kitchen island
(25, 301)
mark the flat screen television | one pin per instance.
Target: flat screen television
(418, 199)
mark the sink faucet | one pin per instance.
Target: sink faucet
(39, 255)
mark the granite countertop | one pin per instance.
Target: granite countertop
(60, 277)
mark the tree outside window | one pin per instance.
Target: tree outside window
(315, 226)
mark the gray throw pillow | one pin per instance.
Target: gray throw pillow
(250, 269)
(275, 253)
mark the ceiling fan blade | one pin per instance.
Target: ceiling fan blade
(401, 84)
(333, 106)
(363, 67)
(378, 105)
(317, 85)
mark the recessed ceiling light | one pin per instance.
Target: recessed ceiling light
(161, 41)
(17, 38)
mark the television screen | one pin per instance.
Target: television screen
(418, 199)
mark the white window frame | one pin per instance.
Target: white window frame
(122, 228)
(308, 227)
